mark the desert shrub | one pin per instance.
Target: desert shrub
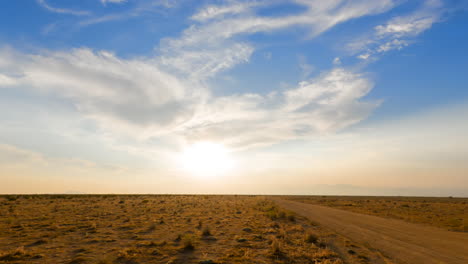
(152, 227)
(188, 242)
(281, 215)
(17, 254)
(311, 238)
(127, 254)
(272, 214)
(325, 253)
(275, 248)
(206, 231)
(12, 198)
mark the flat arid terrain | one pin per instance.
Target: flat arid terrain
(209, 229)
(444, 212)
(163, 229)
(399, 241)
(225, 131)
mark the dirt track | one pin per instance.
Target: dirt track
(399, 241)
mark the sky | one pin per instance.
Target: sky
(361, 97)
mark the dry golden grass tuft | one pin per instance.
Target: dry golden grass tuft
(136, 229)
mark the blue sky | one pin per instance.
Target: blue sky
(328, 93)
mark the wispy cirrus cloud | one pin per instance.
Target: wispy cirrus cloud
(101, 84)
(6, 81)
(138, 9)
(219, 11)
(317, 17)
(203, 62)
(167, 94)
(140, 97)
(104, 2)
(399, 31)
(58, 10)
(216, 45)
(320, 105)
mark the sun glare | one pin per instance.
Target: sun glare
(206, 159)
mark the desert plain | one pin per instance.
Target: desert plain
(202, 229)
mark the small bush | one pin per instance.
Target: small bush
(152, 227)
(281, 215)
(311, 238)
(206, 231)
(188, 242)
(12, 198)
(275, 248)
(17, 254)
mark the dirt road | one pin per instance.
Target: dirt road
(397, 240)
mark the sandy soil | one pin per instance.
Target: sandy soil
(399, 241)
(167, 229)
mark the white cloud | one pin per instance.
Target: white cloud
(337, 61)
(404, 26)
(167, 96)
(318, 16)
(322, 105)
(139, 95)
(306, 68)
(206, 48)
(391, 45)
(138, 9)
(397, 32)
(6, 80)
(214, 11)
(104, 2)
(364, 56)
(413, 24)
(104, 18)
(50, 8)
(102, 85)
(203, 62)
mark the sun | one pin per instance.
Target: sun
(206, 159)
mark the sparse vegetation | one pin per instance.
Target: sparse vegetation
(206, 231)
(154, 229)
(311, 238)
(188, 242)
(449, 213)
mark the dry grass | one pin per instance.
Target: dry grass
(448, 213)
(155, 229)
